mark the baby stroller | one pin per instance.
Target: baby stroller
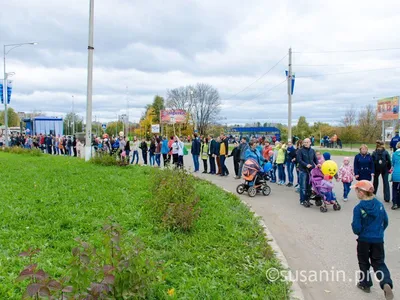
(316, 177)
(255, 178)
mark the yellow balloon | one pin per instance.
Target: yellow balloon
(329, 167)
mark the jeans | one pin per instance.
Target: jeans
(305, 187)
(386, 188)
(241, 167)
(135, 154)
(205, 165)
(236, 167)
(273, 173)
(152, 160)
(180, 161)
(165, 159)
(224, 169)
(346, 189)
(289, 169)
(158, 159)
(395, 193)
(212, 164)
(281, 173)
(372, 254)
(144, 156)
(196, 162)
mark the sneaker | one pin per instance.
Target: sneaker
(305, 204)
(237, 177)
(395, 206)
(388, 292)
(364, 288)
(289, 184)
(345, 199)
(296, 186)
(273, 181)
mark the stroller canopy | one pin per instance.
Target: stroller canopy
(250, 169)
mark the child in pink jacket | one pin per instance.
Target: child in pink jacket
(346, 176)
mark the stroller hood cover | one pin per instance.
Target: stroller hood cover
(316, 176)
(250, 169)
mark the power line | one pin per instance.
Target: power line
(361, 71)
(257, 78)
(348, 51)
(265, 93)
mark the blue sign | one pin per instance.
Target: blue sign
(104, 126)
(293, 79)
(1, 92)
(9, 90)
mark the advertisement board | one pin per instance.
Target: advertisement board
(388, 109)
(173, 116)
(155, 128)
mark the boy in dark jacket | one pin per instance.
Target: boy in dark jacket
(369, 223)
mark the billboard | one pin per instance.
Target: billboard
(155, 128)
(388, 109)
(173, 116)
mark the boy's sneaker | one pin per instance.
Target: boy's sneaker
(364, 288)
(388, 292)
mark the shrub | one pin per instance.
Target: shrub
(174, 201)
(19, 150)
(105, 159)
(118, 270)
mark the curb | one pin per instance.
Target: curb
(296, 291)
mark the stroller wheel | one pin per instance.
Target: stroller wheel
(266, 190)
(252, 191)
(323, 209)
(336, 206)
(318, 202)
(240, 189)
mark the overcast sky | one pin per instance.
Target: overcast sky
(143, 48)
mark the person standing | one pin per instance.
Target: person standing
(364, 165)
(280, 161)
(242, 149)
(152, 151)
(382, 165)
(223, 152)
(196, 152)
(211, 154)
(74, 147)
(144, 148)
(158, 152)
(236, 159)
(290, 162)
(394, 141)
(135, 150)
(165, 150)
(217, 156)
(396, 178)
(370, 221)
(204, 153)
(306, 160)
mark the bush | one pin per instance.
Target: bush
(174, 201)
(19, 150)
(105, 159)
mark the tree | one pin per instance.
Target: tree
(206, 106)
(349, 132)
(369, 128)
(158, 106)
(320, 129)
(69, 123)
(302, 129)
(113, 128)
(284, 131)
(13, 119)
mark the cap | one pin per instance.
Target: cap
(364, 185)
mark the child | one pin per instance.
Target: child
(320, 158)
(369, 223)
(271, 154)
(346, 175)
(326, 189)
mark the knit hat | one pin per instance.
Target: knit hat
(327, 156)
(346, 158)
(364, 185)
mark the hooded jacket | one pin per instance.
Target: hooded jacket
(254, 154)
(370, 221)
(396, 166)
(394, 141)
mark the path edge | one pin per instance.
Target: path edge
(296, 291)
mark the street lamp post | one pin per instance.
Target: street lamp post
(5, 52)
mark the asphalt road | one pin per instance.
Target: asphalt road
(319, 247)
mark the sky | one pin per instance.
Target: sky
(144, 48)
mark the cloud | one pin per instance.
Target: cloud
(143, 48)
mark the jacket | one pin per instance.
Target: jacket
(306, 156)
(158, 148)
(254, 154)
(236, 154)
(370, 221)
(195, 147)
(364, 166)
(346, 173)
(134, 145)
(326, 186)
(394, 141)
(290, 153)
(265, 152)
(379, 157)
(152, 149)
(242, 148)
(204, 151)
(281, 154)
(164, 147)
(143, 146)
(396, 166)
(214, 147)
(224, 144)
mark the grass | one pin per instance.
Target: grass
(48, 201)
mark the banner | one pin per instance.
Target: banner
(388, 109)
(175, 116)
(389, 133)
(293, 80)
(9, 90)
(1, 92)
(155, 128)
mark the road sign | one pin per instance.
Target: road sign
(155, 128)
(104, 126)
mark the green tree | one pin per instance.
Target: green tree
(69, 123)
(284, 131)
(113, 128)
(13, 119)
(302, 129)
(158, 105)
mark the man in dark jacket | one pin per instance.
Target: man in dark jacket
(144, 148)
(196, 152)
(212, 150)
(236, 159)
(49, 143)
(394, 141)
(306, 159)
(382, 166)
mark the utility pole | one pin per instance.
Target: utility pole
(289, 79)
(88, 144)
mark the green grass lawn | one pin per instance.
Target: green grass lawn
(48, 201)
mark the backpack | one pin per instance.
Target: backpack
(381, 161)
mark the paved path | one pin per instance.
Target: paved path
(313, 241)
